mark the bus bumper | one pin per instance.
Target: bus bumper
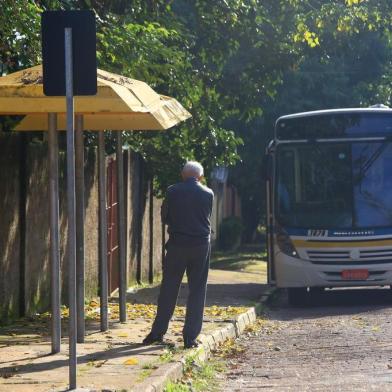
(294, 272)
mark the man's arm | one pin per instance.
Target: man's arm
(211, 203)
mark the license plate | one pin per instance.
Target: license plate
(356, 274)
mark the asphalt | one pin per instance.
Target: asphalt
(116, 359)
(340, 341)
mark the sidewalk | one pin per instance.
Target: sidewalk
(116, 360)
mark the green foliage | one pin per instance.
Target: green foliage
(198, 376)
(150, 41)
(235, 65)
(230, 232)
(338, 56)
(19, 34)
(176, 387)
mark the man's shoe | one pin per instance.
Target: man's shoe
(151, 339)
(191, 343)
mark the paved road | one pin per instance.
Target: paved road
(344, 343)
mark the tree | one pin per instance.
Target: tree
(340, 57)
(236, 65)
(19, 34)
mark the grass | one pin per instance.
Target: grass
(150, 366)
(144, 374)
(198, 376)
(204, 376)
(176, 387)
(169, 354)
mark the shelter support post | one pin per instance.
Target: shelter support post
(54, 231)
(151, 229)
(71, 208)
(121, 229)
(103, 232)
(79, 184)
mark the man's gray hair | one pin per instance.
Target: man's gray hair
(193, 168)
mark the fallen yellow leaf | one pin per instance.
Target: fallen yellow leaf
(131, 361)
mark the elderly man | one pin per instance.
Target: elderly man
(187, 211)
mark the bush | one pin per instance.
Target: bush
(230, 232)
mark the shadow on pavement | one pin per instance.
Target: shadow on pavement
(125, 350)
(225, 294)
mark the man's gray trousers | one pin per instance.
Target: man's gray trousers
(195, 262)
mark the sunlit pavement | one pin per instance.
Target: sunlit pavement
(116, 360)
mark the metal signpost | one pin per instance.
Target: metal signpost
(69, 67)
(71, 215)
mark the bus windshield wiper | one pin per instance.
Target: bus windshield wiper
(369, 162)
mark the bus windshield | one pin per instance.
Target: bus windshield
(334, 185)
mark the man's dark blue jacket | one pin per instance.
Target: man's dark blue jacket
(187, 211)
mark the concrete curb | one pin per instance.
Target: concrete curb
(157, 381)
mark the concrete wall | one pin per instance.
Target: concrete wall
(9, 227)
(91, 229)
(151, 239)
(24, 225)
(227, 203)
(36, 258)
(135, 210)
(157, 233)
(144, 247)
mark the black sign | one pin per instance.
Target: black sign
(53, 24)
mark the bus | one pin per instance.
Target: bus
(329, 201)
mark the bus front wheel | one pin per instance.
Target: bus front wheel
(298, 296)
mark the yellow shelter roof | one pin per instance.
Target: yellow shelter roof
(121, 103)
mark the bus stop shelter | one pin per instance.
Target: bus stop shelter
(120, 104)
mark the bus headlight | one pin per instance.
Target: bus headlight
(284, 243)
